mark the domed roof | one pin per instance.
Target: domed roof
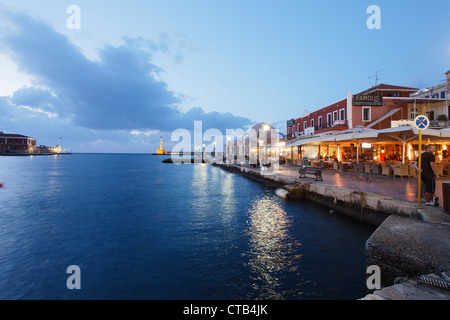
(259, 126)
(263, 126)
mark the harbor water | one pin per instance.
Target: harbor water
(141, 229)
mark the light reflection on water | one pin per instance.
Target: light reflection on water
(272, 249)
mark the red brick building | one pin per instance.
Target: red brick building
(375, 107)
(16, 143)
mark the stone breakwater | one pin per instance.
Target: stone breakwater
(410, 240)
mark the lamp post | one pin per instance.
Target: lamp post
(203, 154)
(266, 129)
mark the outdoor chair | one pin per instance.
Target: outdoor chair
(367, 168)
(376, 169)
(412, 171)
(402, 170)
(386, 171)
(447, 171)
(335, 165)
(360, 168)
(342, 167)
(440, 170)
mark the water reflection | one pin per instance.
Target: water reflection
(273, 252)
(228, 199)
(200, 180)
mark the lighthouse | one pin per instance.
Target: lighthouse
(161, 150)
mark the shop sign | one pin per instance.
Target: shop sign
(367, 100)
(309, 131)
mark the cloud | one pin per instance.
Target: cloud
(146, 133)
(119, 91)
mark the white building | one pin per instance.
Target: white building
(440, 91)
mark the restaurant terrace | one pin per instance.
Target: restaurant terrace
(392, 152)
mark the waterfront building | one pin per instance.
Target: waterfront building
(16, 143)
(436, 111)
(440, 91)
(52, 150)
(374, 107)
(259, 145)
(316, 135)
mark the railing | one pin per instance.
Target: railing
(336, 123)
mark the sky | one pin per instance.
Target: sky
(115, 76)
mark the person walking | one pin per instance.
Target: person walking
(429, 175)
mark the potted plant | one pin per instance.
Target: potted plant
(442, 120)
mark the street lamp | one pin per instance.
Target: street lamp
(203, 153)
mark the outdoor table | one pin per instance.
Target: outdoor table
(349, 164)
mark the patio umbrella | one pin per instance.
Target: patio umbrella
(349, 135)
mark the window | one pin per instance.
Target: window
(289, 131)
(298, 127)
(329, 120)
(413, 114)
(366, 114)
(430, 115)
(305, 125)
(335, 116)
(443, 95)
(320, 122)
(312, 123)
(342, 114)
(293, 129)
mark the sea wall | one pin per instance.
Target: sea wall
(404, 247)
(368, 208)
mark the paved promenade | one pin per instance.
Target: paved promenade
(401, 189)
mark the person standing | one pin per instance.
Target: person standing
(429, 175)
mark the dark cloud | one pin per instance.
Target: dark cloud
(120, 91)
